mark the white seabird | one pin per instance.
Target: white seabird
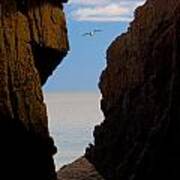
(92, 33)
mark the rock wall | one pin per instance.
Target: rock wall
(140, 136)
(33, 41)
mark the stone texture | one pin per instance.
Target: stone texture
(140, 136)
(33, 41)
(81, 169)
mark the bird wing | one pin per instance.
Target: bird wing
(97, 30)
(85, 34)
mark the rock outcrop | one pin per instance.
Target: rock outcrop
(33, 41)
(81, 169)
(140, 136)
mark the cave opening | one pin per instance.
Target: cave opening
(71, 94)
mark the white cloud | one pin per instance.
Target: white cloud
(104, 10)
(89, 2)
(110, 12)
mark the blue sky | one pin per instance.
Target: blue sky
(81, 68)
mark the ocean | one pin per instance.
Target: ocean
(72, 117)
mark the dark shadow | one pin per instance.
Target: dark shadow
(23, 155)
(46, 60)
(24, 5)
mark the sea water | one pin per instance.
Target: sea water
(72, 117)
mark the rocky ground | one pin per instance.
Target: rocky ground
(81, 169)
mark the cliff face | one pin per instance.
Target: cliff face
(140, 136)
(33, 41)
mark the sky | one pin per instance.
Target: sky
(81, 68)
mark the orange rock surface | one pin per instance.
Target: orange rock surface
(33, 41)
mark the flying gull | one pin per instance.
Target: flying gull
(92, 33)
